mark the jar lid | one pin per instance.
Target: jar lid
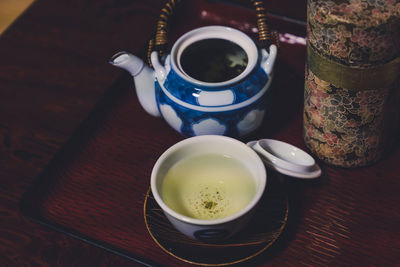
(286, 158)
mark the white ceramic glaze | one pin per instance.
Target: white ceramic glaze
(313, 173)
(207, 144)
(286, 158)
(210, 99)
(144, 80)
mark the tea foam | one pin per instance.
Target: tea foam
(209, 186)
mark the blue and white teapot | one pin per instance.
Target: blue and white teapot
(214, 81)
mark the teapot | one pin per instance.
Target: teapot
(214, 81)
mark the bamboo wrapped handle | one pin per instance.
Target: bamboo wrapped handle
(159, 43)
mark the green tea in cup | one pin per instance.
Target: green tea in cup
(208, 186)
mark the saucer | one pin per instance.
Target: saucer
(266, 225)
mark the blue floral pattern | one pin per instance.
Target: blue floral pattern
(242, 90)
(228, 120)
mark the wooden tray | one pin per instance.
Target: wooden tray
(95, 189)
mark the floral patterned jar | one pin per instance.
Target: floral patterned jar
(352, 85)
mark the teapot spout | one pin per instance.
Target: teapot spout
(143, 77)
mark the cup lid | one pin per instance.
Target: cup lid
(286, 158)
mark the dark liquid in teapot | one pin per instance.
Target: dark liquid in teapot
(213, 60)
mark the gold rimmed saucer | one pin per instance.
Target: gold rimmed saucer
(263, 230)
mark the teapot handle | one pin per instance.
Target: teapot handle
(159, 43)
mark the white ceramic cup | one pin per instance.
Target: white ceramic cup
(212, 230)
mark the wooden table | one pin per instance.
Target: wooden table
(54, 69)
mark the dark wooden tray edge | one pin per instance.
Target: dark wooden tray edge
(81, 135)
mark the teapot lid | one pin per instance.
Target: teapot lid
(286, 158)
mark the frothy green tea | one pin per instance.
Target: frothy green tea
(213, 60)
(208, 187)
